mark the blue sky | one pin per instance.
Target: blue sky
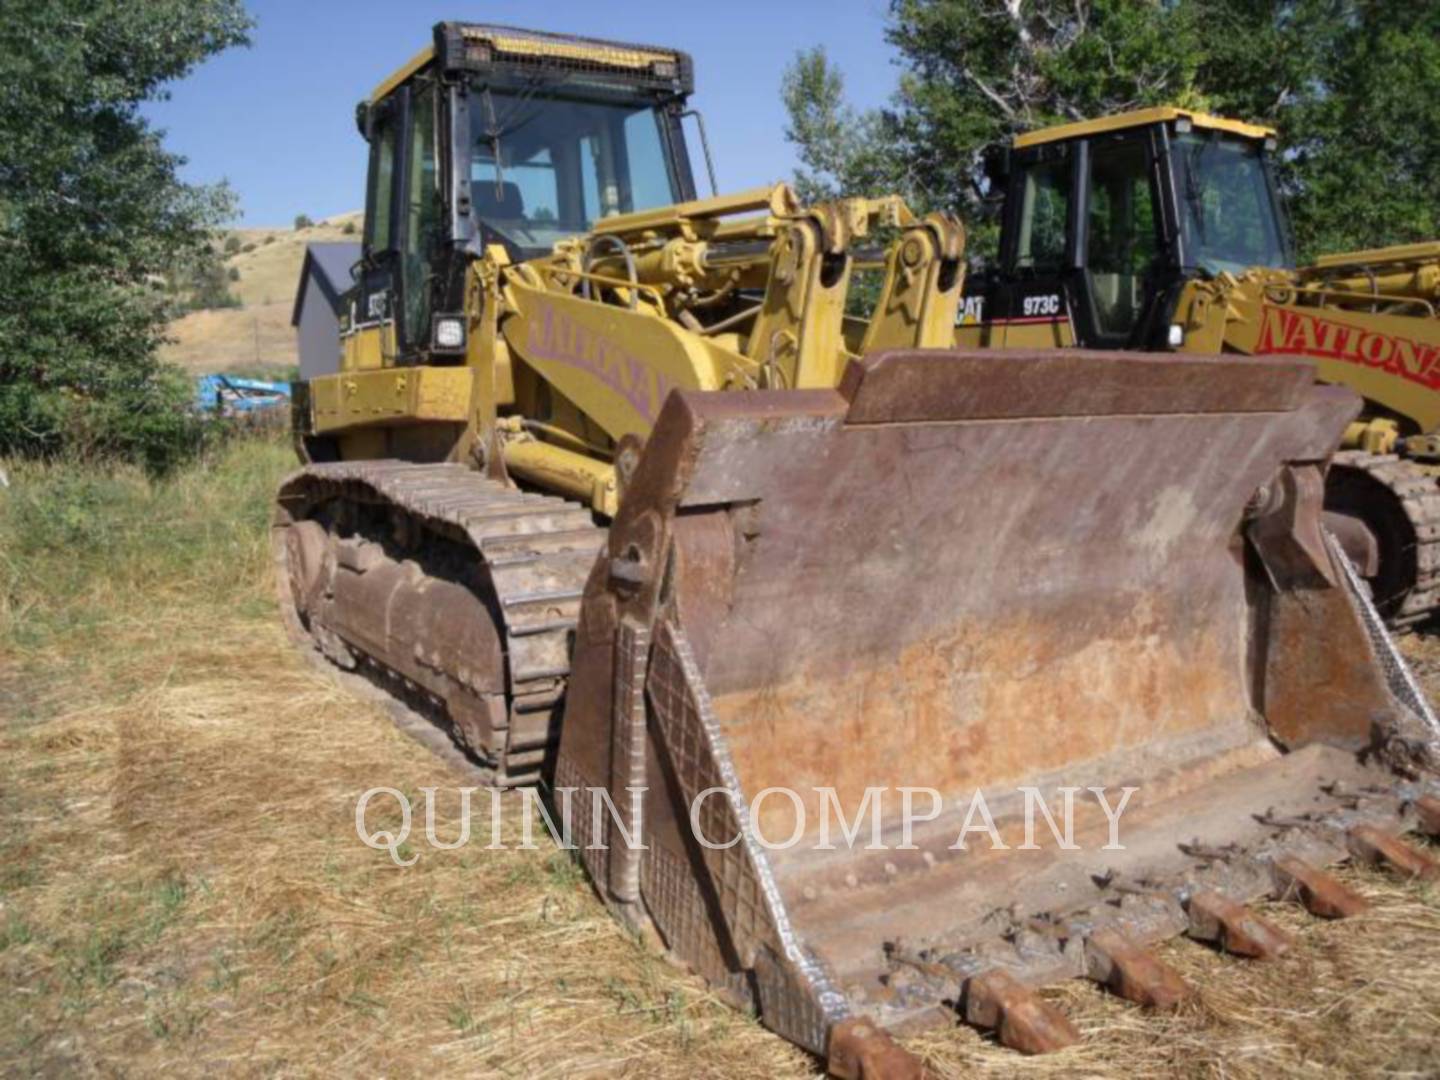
(277, 119)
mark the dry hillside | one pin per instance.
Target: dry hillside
(256, 336)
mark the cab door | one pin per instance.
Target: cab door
(1029, 304)
(404, 231)
(369, 339)
(1121, 249)
(420, 218)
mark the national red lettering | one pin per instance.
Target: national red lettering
(1287, 330)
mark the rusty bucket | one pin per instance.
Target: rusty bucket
(880, 664)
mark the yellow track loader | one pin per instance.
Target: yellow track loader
(1163, 229)
(610, 489)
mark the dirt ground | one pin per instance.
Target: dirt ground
(181, 887)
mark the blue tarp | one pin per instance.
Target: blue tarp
(230, 396)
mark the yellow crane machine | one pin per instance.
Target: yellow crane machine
(610, 490)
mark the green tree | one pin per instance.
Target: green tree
(842, 151)
(1348, 84)
(976, 72)
(1364, 142)
(93, 216)
(200, 281)
(302, 221)
(197, 280)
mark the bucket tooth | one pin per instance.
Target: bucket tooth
(859, 1050)
(1023, 1022)
(1234, 927)
(1321, 893)
(1428, 809)
(1134, 972)
(1381, 848)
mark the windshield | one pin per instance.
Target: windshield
(543, 168)
(1227, 209)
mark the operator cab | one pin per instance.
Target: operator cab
(1105, 220)
(510, 137)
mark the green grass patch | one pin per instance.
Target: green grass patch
(84, 548)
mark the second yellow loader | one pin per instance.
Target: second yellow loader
(1164, 229)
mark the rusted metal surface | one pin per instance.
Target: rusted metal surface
(1133, 972)
(1232, 926)
(796, 992)
(909, 386)
(450, 590)
(1322, 895)
(1018, 1016)
(1359, 542)
(1382, 848)
(627, 759)
(1286, 530)
(1322, 680)
(1427, 808)
(784, 662)
(932, 579)
(861, 1050)
(1134, 657)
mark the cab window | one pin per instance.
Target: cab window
(527, 189)
(1044, 204)
(648, 173)
(543, 168)
(379, 208)
(422, 218)
(1229, 213)
(1121, 237)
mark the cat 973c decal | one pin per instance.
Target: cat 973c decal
(1008, 318)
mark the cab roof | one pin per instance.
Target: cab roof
(403, 72)
(1141, 118)
(501, 44)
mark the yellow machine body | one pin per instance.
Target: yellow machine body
(613, 495)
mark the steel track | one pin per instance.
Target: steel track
(1417, 496)
(537, 549)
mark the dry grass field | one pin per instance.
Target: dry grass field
(269, 272)
(257, 336)
(256, 340)
(181, 888)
